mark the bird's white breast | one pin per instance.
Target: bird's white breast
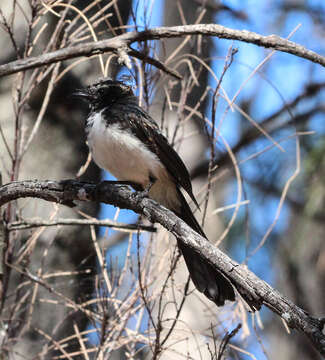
(119, 152)
(127, 158)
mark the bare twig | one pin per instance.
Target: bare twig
(28, 224)
(158, 64)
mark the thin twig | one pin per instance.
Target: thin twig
(28, 224)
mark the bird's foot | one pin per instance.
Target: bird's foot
(141, 193)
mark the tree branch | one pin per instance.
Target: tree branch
(28, 224)
(247, 283)
(125, 40)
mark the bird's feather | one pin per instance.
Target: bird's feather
(148, 132)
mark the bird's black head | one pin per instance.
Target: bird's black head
(104, 93)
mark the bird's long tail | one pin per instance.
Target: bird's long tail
(205, 277)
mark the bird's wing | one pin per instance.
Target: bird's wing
(147, 130)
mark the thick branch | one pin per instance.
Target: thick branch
(245, 281)
(125, 40)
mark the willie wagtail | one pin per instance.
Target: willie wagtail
(126, 141)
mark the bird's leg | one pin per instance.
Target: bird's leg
(144, 192)
(152, 181)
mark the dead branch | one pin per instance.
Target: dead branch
(28, 224)
(124, 41)
(246, 282)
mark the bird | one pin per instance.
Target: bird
(127, 142)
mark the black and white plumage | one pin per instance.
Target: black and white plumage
(127, 142)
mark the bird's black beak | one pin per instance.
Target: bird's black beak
(81, 94)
